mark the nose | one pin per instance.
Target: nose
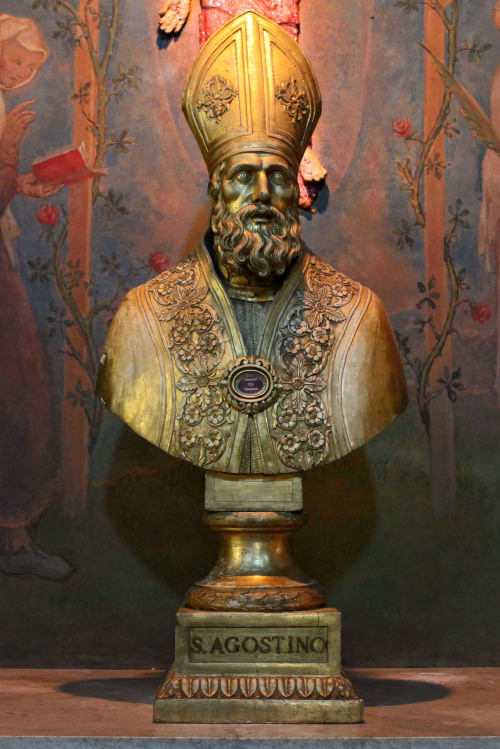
(261, 188)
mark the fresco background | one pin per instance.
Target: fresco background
(415, 578)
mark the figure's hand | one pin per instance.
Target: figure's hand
(311, 168)
(28, 185)
(16, 123)
(173, 15)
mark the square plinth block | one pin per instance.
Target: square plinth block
(254, 667)
(227, 492)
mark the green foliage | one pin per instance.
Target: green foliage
(450, 129)
(431, 296)
(476, 50)
(408, 5)
(83, 94)
(124, 79)
(106, 84)
(404, 347)
(73, 273)
(110, 264)
(40, 272)
(451, 382)
(45, 4)
(67, 31)
(436, 165)
(458, 213)
(80, 397)
(113, 203)
(405, 169)
(416, 137)
(430, 162)
(120, 143)
(405, 235)
(461, 276)
(58, 320)
(100, 17)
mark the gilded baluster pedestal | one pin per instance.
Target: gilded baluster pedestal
(254, 642)
(255, 570)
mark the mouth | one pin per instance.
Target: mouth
(261, 216)
(11, 82)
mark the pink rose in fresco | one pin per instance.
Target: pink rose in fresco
(159, 262)
(401, 128)
(480, 312)
(48, 214)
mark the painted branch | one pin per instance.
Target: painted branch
(435, 352)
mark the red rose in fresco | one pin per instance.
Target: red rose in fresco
(401, 128)
(159, 261)
(480, 312)
(48, 214)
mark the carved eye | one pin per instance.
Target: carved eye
(279, 178)
(242, 176)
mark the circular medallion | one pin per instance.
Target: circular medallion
(251, 384)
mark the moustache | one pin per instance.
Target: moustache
(247, 244)
(258, 210)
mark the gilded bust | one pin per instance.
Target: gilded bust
(252, 355)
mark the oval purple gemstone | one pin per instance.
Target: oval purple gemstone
(250, 384)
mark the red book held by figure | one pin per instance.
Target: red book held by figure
(67, 165)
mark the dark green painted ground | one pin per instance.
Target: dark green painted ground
(413, 590)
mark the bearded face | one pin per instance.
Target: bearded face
(254, 218)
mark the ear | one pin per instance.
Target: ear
(215, 183)
(213, 191)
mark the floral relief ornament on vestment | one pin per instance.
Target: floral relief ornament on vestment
(301, 427)
(196, 338)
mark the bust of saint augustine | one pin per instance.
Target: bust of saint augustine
(252, 355)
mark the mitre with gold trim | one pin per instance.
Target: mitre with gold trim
(251, 88)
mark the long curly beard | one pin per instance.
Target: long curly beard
(244, 246)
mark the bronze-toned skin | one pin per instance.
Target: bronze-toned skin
(254, 359)
(258, 177)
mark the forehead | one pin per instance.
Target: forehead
(254, 160)
(12, 49)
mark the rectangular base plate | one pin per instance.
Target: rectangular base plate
(263, 699)
(257, 711)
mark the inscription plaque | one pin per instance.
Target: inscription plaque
(258, 645)
(249, 644)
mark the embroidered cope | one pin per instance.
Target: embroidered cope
(174, 340)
